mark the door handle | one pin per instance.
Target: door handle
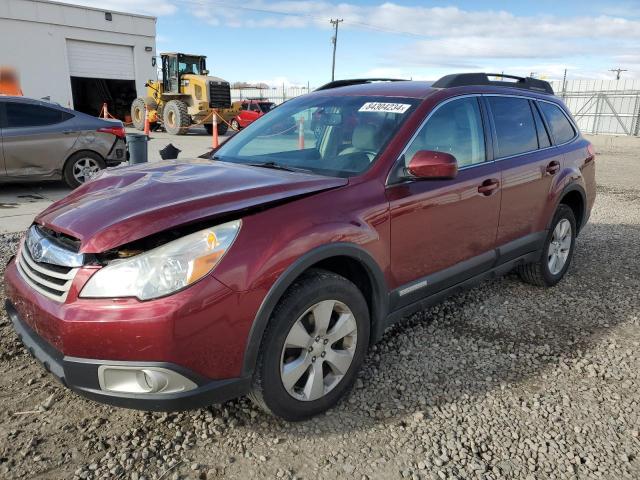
(553, 168)
(488, 186)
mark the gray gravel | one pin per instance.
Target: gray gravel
(504, 381)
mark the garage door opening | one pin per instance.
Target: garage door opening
(90, 93)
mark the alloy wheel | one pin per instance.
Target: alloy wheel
(559, 246)
(318, 350)
(85, 169)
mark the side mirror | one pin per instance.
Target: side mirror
(205, 72)
(429, 164)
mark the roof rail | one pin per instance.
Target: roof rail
(355, 81)
(466, 79)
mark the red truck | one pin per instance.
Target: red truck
(250, 111)
(271, 268)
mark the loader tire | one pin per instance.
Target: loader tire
(137, 113)
(176, 118)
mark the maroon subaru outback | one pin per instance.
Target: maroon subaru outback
(269, 269)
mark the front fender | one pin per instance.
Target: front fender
(356, 252)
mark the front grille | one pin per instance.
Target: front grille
(219, 94)
(52, 281)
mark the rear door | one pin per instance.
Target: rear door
(528, 163)
(36, 140)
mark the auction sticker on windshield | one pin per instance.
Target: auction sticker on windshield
(384, 107)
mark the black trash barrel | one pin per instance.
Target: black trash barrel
(137, 148)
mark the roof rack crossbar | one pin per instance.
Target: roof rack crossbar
(356, 81)
(469, 79)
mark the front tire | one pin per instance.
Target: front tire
(81, 167)
(235, 125)
(175, 117)
(313, 348)
(556, 253)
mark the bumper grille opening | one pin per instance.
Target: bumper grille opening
(52, 281)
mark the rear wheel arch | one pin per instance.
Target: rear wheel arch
(575, 198)
(348, 260)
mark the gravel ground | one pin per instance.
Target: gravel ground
(504, 381)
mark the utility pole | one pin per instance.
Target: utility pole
(334, 40)
(618, 72)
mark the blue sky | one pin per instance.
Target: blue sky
(410, 39)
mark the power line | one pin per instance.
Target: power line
(334, 39)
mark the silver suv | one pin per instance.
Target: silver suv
(44, 141)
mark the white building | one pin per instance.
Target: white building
(78, 56)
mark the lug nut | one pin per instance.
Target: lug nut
(322, 354)
(313, 359)
(317, 339)
(310, 349)
(326, 340)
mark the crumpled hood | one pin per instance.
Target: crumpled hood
(131, 203)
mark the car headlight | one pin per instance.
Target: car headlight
(165, 269)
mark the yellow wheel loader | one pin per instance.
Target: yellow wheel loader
(186, 95)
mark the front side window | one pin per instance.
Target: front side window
(189, 65)
(28, 115)
(455, 128)
(560, 126)
(336, 136)
(515, 129)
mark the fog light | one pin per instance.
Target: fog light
(144, 380)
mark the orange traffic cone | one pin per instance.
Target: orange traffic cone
(147, 127)
(214, 140)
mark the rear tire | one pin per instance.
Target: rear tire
(137, 113)
(175, 117)
(556, 253)
(330, 349)
(81, 167)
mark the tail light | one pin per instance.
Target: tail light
(118, 131)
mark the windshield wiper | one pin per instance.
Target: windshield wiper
(274, 165)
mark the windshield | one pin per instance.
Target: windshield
(336, 136)
(188, 65)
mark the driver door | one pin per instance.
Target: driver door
(444, 231)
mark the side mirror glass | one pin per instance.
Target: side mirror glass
(429, 164)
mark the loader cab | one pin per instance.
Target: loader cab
(175, 65)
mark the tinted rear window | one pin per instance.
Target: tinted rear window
(514, 124)
(543, 136)
(560, 126)
(29, 115)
